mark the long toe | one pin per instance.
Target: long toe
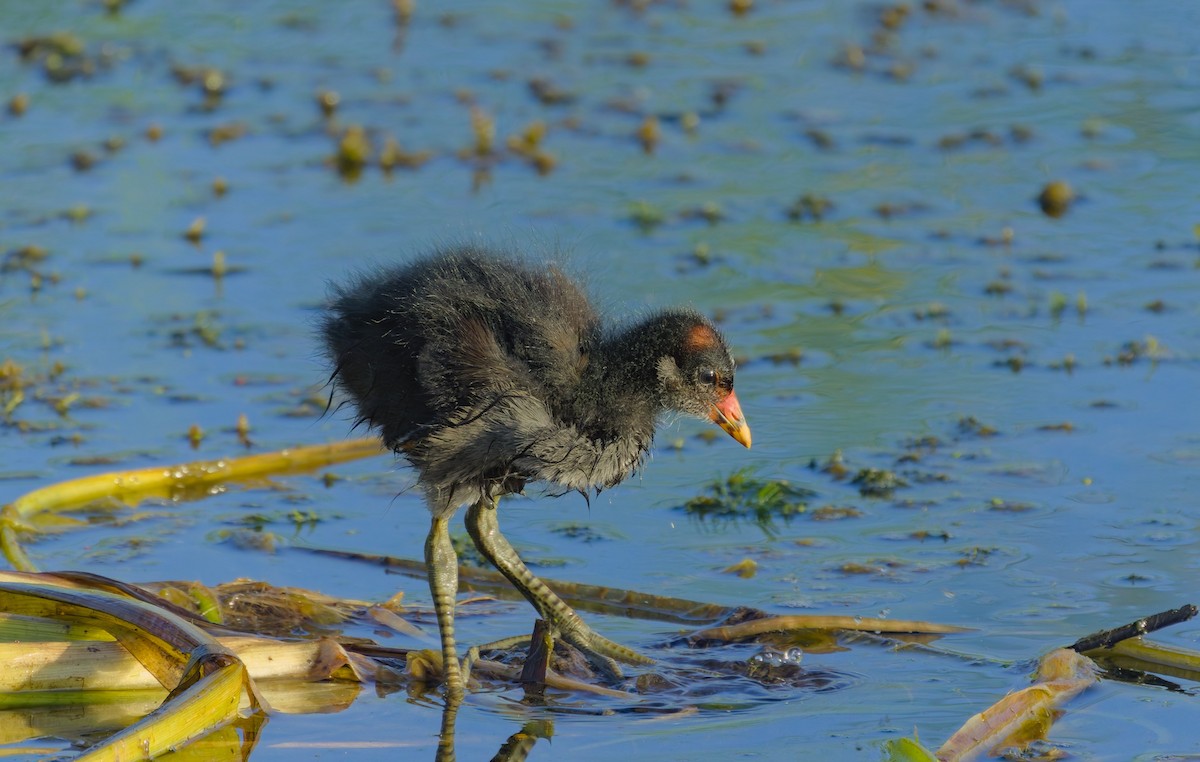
(601, 652)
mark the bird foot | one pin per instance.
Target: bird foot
(467, 663)
(601, 652)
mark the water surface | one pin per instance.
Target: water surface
(931, 290)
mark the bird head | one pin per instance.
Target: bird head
(696, 377)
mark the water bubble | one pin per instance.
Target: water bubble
(793, 655)
(768, 657)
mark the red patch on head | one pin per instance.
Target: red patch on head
(700, 338)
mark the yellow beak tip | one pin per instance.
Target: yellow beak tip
(739, 431)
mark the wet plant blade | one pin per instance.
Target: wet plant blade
(1024, 716)
(907, 750)
(14, 628)
(186, 481)
(210, 702)
(88, 666)
(773, 624)
(205, 680)
(1155, 657)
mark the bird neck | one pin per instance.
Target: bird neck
(623, 371)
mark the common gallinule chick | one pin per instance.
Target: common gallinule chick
(486, 373)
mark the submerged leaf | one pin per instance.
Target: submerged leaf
(907, 750)
(1024, 716)
(746, 568)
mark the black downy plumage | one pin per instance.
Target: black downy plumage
(486, 372)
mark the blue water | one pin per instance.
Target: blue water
(900, 337)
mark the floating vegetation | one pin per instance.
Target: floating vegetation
(999, 287)
(835, 513)
(195, 230)
(327, 102)
(48, 388)
(483, 129)
(353, 152)
(882, 568)
(890, 210)
(548, 93)
(877, 482)
(1065, 426)
(932, 311)
(922, 535)
(942, 340)
(393, 156)
(821, 139)
(23, 258)
(746, 568)
(809, 207)
(202, 329)
(63, 56)
(1009, 506)
(83, 160)
(835, 466)
(1056, 198)
(791, 356)
(646, 216)
(1133, 351)
(970, 426)
(225, 133)
(649, 134)
(195, 435)
(709, 211)
(18, 104)
(975, 556)
(584, 533)
(528, 146)
(744, 497)
(957, 140)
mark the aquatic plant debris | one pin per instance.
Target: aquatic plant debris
(1026, 714)
(1021, 718)
(743, 496)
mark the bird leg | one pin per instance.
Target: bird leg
(604, 654)
(442, 565)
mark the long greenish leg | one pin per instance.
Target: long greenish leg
(484, 528)
(442, 565)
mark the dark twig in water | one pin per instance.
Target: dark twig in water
(533, 674)
(1109, 638)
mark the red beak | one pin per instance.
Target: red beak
(728, 415)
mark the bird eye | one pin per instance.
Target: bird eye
(708, 376)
